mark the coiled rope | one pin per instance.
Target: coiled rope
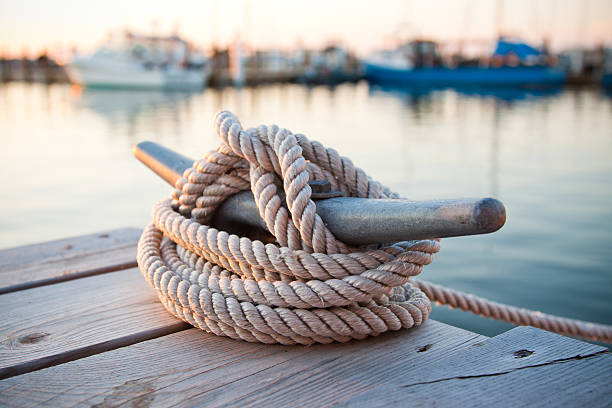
(307, 286)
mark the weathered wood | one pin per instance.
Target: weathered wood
(195, 368)
(61, 322)
(56, 261)
(574, 383)
(67, 248)
(524, 366)
(106, 340)
(331, 374)
(33, 276)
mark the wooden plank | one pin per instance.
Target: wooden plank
(195, 368)
(142, 369)
(333, 374)
(67, 248)
(524, 366)
(58, 323)
(32, 276)
(567, 384)
(57, 261)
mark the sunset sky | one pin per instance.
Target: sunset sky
(31, 26)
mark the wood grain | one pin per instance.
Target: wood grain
(567, 384)
(333, 374)
(58, 323)
(522, 367)
(195, 368)
(105, 340)
(57, 261)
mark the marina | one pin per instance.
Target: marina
(134, 61)
(419, 63)
(140, 62)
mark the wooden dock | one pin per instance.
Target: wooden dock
(81, 327)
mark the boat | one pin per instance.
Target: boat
(331, 66)
(420, 63)
(606, 76)
(135, 61)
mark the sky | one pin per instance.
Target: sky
(31, 26)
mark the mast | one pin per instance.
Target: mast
(214, 14)
(499, 12)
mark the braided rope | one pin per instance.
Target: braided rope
(307, 287)
(514, 315)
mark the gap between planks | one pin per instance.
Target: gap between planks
(67, 277)
(90, 350)
(54, 324)
(184, 367)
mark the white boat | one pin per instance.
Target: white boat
(141, 62)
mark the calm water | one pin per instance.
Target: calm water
(66, 168)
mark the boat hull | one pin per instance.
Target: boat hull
(510, 76)
(93, 74)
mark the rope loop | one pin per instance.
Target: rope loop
(307, 286)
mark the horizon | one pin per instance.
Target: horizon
(33, 26)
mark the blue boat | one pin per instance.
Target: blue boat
(511, 76)
(420, 64)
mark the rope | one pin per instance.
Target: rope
(514, 315)
(306, 286)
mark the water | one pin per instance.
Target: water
(66, 169)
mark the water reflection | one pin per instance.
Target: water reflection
(415, 94)
(544, 153)
(426, 103)
(131, 109)
(118, 103)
